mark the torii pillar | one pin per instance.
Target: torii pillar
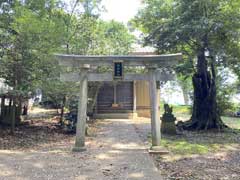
(154, 104)
(82, 112)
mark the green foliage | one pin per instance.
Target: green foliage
(95, 37)
(117, 37)
(225, 92)
(28, 38)
(182, 25)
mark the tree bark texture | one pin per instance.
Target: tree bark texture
(2, 108)
(205, 113)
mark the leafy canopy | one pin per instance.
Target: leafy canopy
(188, 26)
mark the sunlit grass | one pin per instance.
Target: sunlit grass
(184, 113)
(204, 142)
(200, 143)
(183, 147)
(183, 110)
(232, 122)
(197, 144)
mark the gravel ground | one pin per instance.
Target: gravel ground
(40, 150)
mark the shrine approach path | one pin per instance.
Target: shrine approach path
(115, 153)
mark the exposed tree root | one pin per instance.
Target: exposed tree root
(195, 125)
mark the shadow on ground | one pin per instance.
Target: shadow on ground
(115, 153)
(197, 155)
(33, 135)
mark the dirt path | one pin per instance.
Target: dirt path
(116, 153)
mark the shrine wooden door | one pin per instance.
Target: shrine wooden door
(115, 97)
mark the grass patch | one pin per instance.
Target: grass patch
(178, 109)
(182, 110)
(232, 122)
(199, 143)
(183, 147)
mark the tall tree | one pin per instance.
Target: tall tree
(29, 35)
(203, 29)
(73, 15)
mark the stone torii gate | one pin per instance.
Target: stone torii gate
(155, 65)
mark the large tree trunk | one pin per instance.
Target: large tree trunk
(205, 113)
(2, 108)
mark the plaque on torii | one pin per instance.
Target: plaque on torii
(157, 70)
(118, 70)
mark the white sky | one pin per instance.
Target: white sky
(120, 10)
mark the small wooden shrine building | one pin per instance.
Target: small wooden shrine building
(123, 100)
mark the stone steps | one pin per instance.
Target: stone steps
(115, 115)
